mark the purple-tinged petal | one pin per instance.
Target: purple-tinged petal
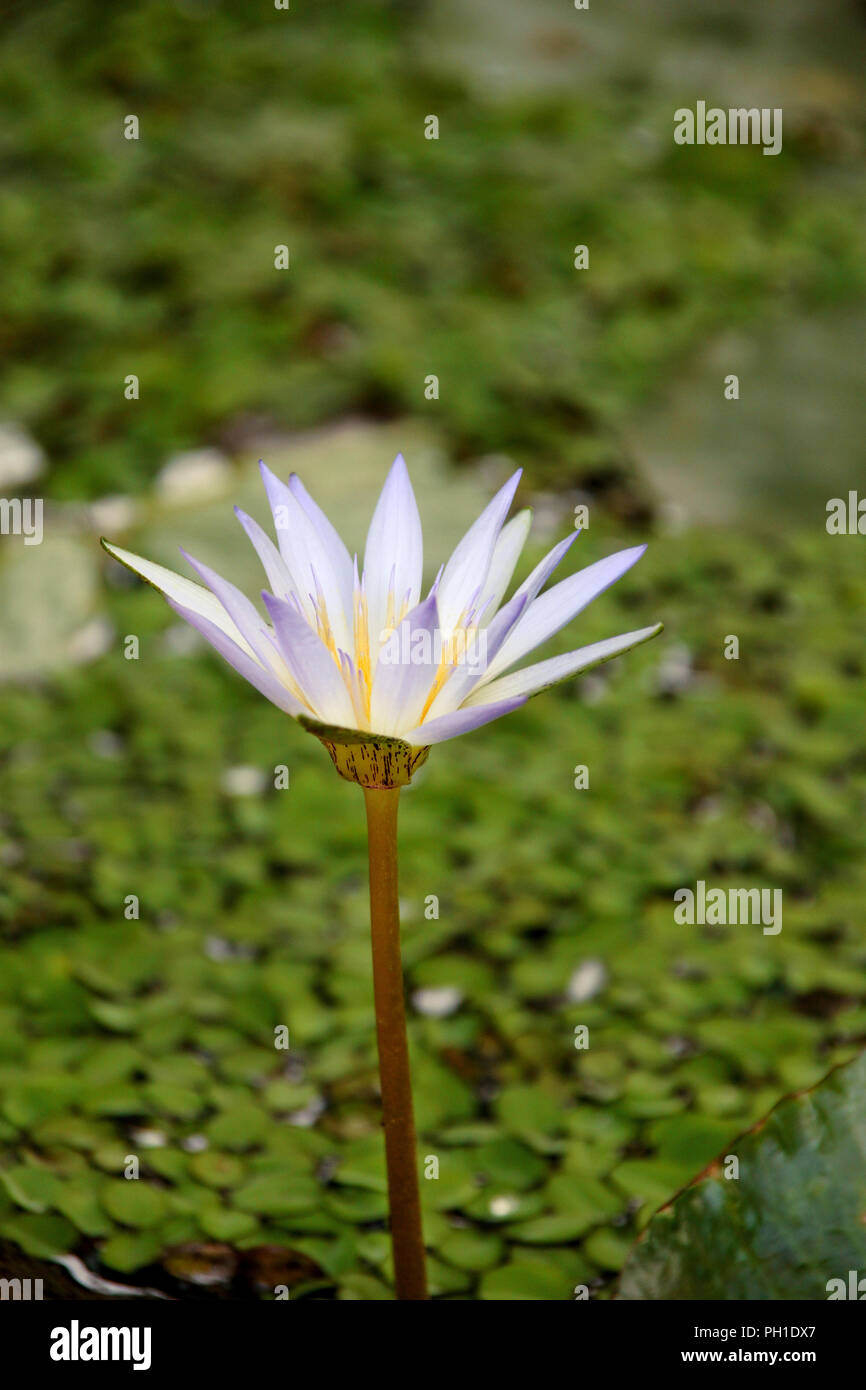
(465, 573)
(181, 590)
(460, 722)
(459, 686)
(469, 672)
(244, 614)
(332, 541)
(535, 582)
(394, 553)
(405, 670)
(308, 558)
(553, 609)
(506, 553)
(246, 665)
(279, 576)
(558, 668)
(310, 664)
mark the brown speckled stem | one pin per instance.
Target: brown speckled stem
(401, 1156)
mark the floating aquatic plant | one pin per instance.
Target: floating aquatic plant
(380, 674)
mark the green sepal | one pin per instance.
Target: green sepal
(371, 760)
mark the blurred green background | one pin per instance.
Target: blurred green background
(410, 257)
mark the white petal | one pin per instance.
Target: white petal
(279, 577)
(341, 560)
(247, 666)
(536, 581)
(244, 614)
(558, 668)
(458, 687)
(394, 553)
(308, 557)
(463, 578)
(494, 635)
(477, 656)
(405, 671)
(183, 591)
(552, 610)
(506, 553)
(312, 667)
(460, 722)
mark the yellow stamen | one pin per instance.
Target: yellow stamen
(361, 637)
(451, 649)
(292, 686)
(323, 625)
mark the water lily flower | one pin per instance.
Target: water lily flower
(379, 674)
(368, 654)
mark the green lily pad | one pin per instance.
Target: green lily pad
(791, 1223)
(500, 1207)
(471, 1250)
(113, 1101)
(529, 1109)
(583, 1197)
(335, 1256)
(508, 1163)
(72, 1131)
(176, 1101)
(222, 1223)
(356, 1206)
(285, 1097)
(128, 1251)
(524, 1279)
(440, 1095)
(240, 1127)
(30, 1102)
(652, 1181)
(79, 1202)
(32, 1188)
(119, 1018)
(364, 1166)
(248, 1064)
(556, 1229)
(277, 1194)
(443, 1279)
(606, 1249)
(41, 1235)
(109, 1064)
(111, 1157)
(179, 1070)
(133, 1202)
(357, 1287)
(167, 1163)
(689, 1139)
(216, 1169)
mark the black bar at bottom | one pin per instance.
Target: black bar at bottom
(221, 1339)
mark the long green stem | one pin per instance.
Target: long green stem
(407, 1240)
